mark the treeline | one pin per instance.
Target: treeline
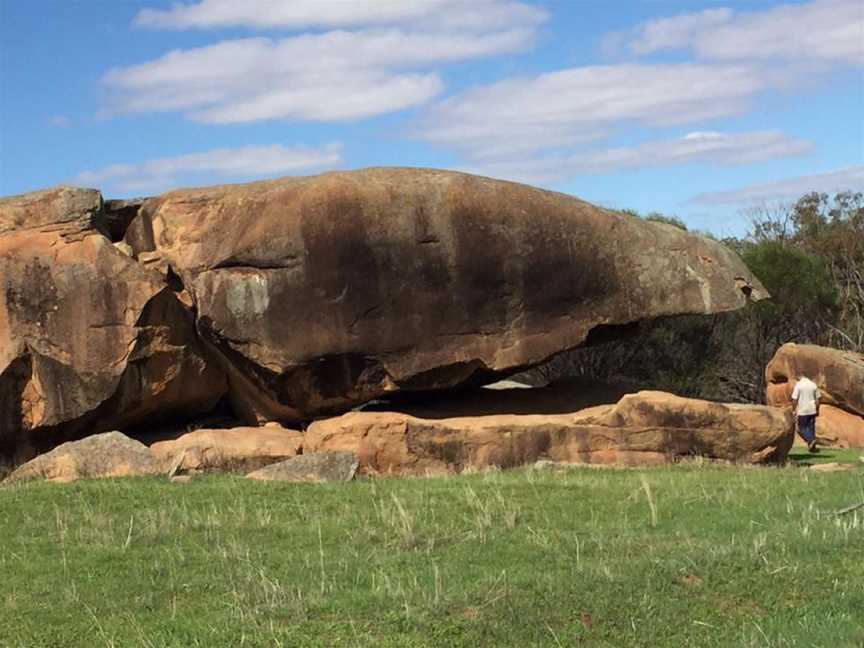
(810, 257)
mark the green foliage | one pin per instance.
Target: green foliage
(657, 217)
(810, 257)
(681, 556)
(799, 283)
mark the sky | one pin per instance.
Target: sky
(700, 109)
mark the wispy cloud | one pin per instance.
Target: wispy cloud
(851, 178)
(697, 147)
(211, 166)
(480, 15)
(389, 65)
(823, 30)
(559, 109)
(539, 128)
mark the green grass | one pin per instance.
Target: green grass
(681, 556)
(801, 456)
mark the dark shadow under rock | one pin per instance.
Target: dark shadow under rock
(563, 397)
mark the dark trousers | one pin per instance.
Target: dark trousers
(807, 427)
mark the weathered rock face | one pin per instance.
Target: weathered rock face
(840, 377)
(321, 293)
(306, 296)
(110, 454)
(310, 468)
(643, 428)
(89, 338)
(233, 450)
(838, 428)
(839, 374)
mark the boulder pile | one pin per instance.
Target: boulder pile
(647, 428)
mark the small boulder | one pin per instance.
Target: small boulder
(241, 449)
(110, 454)
(315, 467)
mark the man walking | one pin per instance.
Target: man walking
(805, 400)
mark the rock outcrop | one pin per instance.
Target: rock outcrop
(303, 297)
(641, 429)
(838, 428)
(310, 468)
(321, 293)
(110, 454)
(840, 377)
(90, 339)
(241, 449)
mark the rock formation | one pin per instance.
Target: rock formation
(840, 377)
(90, 339)
(110, 454)
(643, 428)
(302, 297)
(241, 449)
(838, 428)
(321, 293)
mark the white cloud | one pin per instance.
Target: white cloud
(696, 147)
(483, 15)
(559, 109)
(823, 30)
(851, 178)
(325, 77)
(210, 166)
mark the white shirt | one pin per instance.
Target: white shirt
(806, 393)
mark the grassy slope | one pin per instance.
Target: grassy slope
(733, 557)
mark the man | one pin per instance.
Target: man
(805, 400)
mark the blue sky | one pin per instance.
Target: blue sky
(699, 109)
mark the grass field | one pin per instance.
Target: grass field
(683, 556)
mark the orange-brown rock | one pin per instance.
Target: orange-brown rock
(241, 449)
(839, 375)
(89, 339)
(110, 454)
(837, 428)
(314, 467)
(320, 293)
(643, 428)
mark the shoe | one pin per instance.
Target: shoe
(812, 447)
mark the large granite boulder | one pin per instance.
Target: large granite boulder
(110, 454)
(840, 377)
(89, 339)
(838, 428)
(641, 429)
(307, 296)
(242, 449)
(320, 293)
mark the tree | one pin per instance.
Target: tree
(803, 301)
(810, 257)
(831, 228)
